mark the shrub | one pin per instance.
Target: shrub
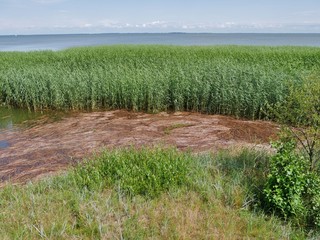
(292, 188)
(300, 115)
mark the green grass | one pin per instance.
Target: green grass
(148, 193)
(231, 80)
(147, 172)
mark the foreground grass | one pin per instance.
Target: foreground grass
(239, 81)
(147, 193)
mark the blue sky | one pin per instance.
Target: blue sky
(96, 16)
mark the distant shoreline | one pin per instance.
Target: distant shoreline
(155, 33)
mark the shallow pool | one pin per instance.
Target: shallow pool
(12, 118)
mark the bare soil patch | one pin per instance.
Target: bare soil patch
(49, 147)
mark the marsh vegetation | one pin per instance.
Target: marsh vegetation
(162, 192)
(230, 80)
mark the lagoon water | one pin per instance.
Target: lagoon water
(63, 41)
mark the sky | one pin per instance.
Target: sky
(123, 16)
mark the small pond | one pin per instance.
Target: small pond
(12, 119)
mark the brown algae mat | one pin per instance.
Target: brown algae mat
(46, 148)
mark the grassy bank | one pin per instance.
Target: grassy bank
(230, 80)
(147, 193)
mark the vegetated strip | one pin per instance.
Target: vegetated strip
(147, 193)
(231, 80)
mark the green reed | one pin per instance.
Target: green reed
(231, 80)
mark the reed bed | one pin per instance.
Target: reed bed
(230, 80)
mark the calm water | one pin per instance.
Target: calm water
(10, 119)
(58, 42)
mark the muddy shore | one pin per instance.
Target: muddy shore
(46, 148)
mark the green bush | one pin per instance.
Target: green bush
(146, 172)
(292, 190)
(300, 115)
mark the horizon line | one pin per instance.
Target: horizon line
(174, 32)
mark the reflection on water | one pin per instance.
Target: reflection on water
(10, 118)
(14, 119)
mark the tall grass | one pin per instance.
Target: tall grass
(230, 80)
(146, 194)
(148, 172)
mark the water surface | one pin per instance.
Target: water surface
(11, 118)
(62, 41)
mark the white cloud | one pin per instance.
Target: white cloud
(72, 25)
(155, 24)
(108, 23)
(87, 25)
